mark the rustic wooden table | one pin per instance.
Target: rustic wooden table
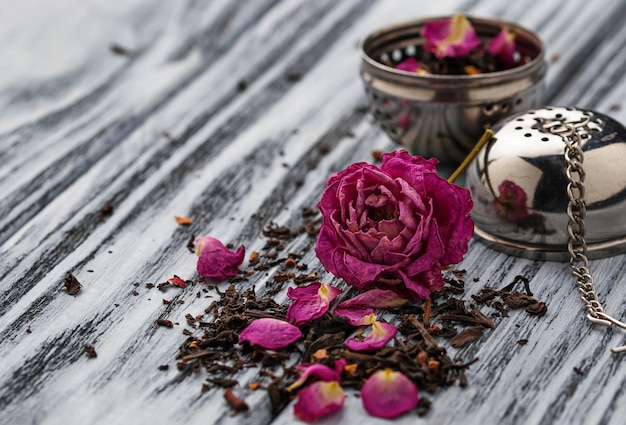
(115, 117)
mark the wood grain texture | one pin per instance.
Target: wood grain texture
(235, 114)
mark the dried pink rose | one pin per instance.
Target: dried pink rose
(320, 371)
(380, 334)
(215, 260)
(319, 399)
(272, 334)
(388, 394)
(393, 227)
(310, 302)
(452, 37)
(502, 46)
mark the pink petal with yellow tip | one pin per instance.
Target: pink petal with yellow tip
(388, 394)
(272, 334)
(310, 302)
(380, 334)
(376, 298)
(319, 399)
(411, 65)
(452, 37)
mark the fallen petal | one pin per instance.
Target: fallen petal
(310, 302)
(357, 316)
(215, 260)
(376, 298)
(320, 371)
(177, 281)
(411, 65)
(319, 399)
(379, 336)
(388, 394)
(272, 334)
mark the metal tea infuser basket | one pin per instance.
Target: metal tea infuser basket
(550, 185)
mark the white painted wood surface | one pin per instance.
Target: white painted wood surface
(162, 129)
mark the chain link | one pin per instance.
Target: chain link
(576, 213)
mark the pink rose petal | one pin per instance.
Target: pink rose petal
(376, 298)
(411, 65)
(380, 334)
(272, 334)
(215, 260)
(319, 399)
(357, 315)
(502, 46)
(388, 394)
(320, 371)
(453, 37)
(310, 302)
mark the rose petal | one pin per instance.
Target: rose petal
(177, 281)
(215, 260)
(310, 302)
(356, 315)
(411, 65)
(379, 336)
(269, 333)
(502, 46)
(376, 298)
(388, 394)
(319, 399)
(452, 37)
(320, 371)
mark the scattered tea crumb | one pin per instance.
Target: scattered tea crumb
(522, 341)
(105, 212)
(165, 323)
(616, 107)
(578, 371)
(242, 85)
(237, 404)
(72, 285)
(28, 330)
(135, 293)
(377, 155)
(164, 367)
(119, 50)
(91, 351)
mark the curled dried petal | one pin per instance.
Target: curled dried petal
(380, 334)
(215, 260)
(272, 334)
(411, 65)
(388, 394)
(319, 399)
(503, 47)
(320, 371)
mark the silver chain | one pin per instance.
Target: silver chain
(576, 212)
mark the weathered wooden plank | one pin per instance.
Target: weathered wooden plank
(230, 153)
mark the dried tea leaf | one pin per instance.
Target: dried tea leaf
(72, 285)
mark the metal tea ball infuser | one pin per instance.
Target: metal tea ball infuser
(549, 184)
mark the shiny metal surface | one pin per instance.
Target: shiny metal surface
(519, 186)
(443, 116)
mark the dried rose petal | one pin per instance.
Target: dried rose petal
(452, 37)
(502, 46)
(388, 394)
(319, 399)
(272, 334)
(411, 65)
(380, 334)
(177, 281)
(310, 302)
(320, 371)
(376, 298)
(215, 260)
(357, 308)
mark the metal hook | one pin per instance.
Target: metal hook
(606, 320)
